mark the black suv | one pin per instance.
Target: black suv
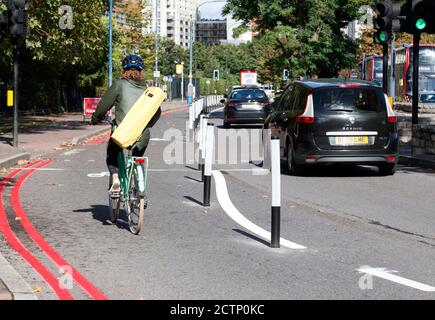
(246, 104)
(335, 121)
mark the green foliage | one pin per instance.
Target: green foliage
(306, 35)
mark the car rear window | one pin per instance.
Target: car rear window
(249, 95)
(349, 100)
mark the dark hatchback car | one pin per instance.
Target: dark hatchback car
(246, 105)
(335, 121)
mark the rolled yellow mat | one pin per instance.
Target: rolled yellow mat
(138, 117)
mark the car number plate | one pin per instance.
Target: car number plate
(251, 107)
(349, 141)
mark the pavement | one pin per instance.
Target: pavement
(50, 135)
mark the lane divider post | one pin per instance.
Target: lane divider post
(275, 157)
(204, 147)
(209, 153)
(200, 145)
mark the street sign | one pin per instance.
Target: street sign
(157, 74)
(165, 79)
(170, 79)
(179, 68)
(248, 77)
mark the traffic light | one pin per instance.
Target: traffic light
(285, 75)
(18, 18)
(3, 25)
(423, 15)
(384, 21)
(216, 75)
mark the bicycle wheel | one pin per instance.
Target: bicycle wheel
(136, 203)
(114, 208)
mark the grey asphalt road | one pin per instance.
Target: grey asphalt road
(346, 218)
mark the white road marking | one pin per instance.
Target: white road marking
(158, 139)
(385, 274)
(99, 175)
(231, 210)
(73, 152)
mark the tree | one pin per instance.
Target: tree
(316, 43)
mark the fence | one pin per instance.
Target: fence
(204, 105)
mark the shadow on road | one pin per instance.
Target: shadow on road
(253, 237)
(101, 213)
(193, 200)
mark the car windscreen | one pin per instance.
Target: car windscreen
(427, 97)
(249, 95)
(349, 100)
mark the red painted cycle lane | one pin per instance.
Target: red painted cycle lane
(56, 258)
(15, 243)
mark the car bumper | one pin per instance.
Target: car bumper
(245, 116)
(308, 153)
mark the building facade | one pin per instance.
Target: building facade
(211, 32)
(172, 18)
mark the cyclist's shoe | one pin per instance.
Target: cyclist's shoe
(116, 187)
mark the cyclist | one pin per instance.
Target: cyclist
(122, 95)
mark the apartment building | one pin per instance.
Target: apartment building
(173, 18)
(211, 32)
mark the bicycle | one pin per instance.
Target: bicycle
(133, 174)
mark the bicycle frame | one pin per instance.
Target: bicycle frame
(127, 165)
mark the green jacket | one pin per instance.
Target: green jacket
(122, 95)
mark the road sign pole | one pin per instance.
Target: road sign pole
(385, 68)
(415, 77)
(16, 92)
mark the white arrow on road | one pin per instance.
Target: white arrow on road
(385, 274)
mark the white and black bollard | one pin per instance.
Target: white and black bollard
(191, 117)
(275, 159)
(209, 152)
(203, 142)
(199, 140)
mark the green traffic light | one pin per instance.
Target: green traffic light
(383, 36)
(421, 24)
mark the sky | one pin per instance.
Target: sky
(212, 10)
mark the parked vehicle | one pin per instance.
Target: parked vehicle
(335, 121)
(427, 96)
(245, 105)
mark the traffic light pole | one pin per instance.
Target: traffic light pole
(16, 56)
(385, 68)
(415, 77)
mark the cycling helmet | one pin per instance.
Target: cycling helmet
(133, 61)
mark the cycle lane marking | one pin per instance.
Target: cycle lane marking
(387, 275)
(234, 213)
(55, 257)
(16, 244)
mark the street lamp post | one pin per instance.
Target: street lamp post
(156, 71)
(110, 42)
(190, 87)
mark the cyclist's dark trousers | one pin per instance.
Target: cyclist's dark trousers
(113, 150)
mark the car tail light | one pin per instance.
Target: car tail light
(310, 159)
(233, 103)
(392, 118)
(140, 161)
(391, 159)
(308, 115)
